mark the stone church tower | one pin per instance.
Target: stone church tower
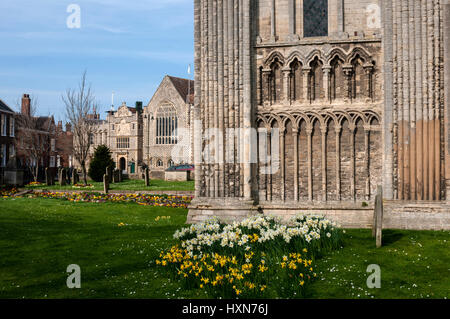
(309, 105)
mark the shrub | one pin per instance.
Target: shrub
(258, 257)
(101, 160)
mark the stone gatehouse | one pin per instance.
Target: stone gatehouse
(344, 96)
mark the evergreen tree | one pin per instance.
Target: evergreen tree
(101, 160)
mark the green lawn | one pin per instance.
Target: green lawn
(39, 238)
(129, 185)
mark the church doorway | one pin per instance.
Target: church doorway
(123, 165)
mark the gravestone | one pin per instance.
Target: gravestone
(105, 183)
(146, 177)
(109, 174)
(47, 177)
(75, 177)
(63, 177)
(377, 230)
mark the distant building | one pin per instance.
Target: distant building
(7, 135)
(40, 142)
(141, 137)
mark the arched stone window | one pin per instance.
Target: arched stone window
(166, 125)
(358, 83)
(315, 18)
(296, 81)
(276, 83)
(170, 163)
(159, 163)
(337, 79)
(316, 80)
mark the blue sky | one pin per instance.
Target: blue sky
(125, 46)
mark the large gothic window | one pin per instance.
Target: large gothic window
(315, 18)
(166, 125)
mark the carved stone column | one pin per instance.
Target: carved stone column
(266, 86)
(327, 82)
(273, 36)
(338, 162)
(368, 70)
(283, 163)
(286, 84)
(367, 159)
(310, 179)
(348, 72)
(269, 163)
(352, 161)
(306, 88)
(292, 37)
(295, 137)
(324, 163)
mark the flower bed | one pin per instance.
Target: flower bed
(8, 192)
(258, 257)
(34, 184)
(82, 186)
(141, 199)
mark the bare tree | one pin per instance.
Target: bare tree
(79, 104)
(34, 138)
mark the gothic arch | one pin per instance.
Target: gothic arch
(336, 52)
(365, 56)
(274, 56)
(314, 54)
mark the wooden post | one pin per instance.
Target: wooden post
(105, 183)
(378, 217)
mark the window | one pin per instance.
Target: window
(170, 163)
(123, 142)
(4, 123)
(159, 163)
(166, 125)
(91, 139)
(12, 150)
(3, 155)
(315, 18)
(52, 161)
(52, 145)
(11, 126)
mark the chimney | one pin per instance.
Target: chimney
(68, 127)
(59, 125)
(26, 105)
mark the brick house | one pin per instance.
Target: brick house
(7, 136)
(40, 142)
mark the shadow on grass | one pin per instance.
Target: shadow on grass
(391, 236)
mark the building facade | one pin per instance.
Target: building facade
(7, 136)
(40, 142)
(318, 102)
(168, 135)
(140, 137)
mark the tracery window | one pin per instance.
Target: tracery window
(315, 18)
(123, 142)
(166, 125)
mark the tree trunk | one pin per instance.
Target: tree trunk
(83, 166)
